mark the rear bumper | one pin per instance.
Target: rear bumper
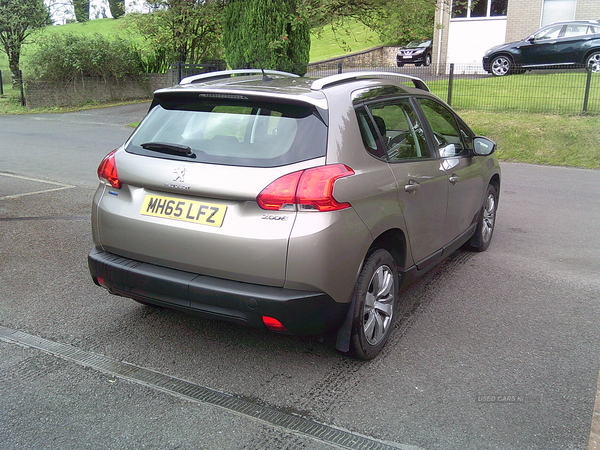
(300, 312)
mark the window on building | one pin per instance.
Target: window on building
(556, 10)
(478, 8)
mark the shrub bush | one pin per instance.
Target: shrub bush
(65, 58)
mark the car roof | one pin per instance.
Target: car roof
(277, 84)
(567, 22)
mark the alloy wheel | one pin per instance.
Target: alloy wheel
(379, 302)
(593, 63)
(501, 66)
(489, 217)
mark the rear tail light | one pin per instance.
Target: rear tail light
(107, 170)
(306, 190)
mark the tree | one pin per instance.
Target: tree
(188, 31)
(18, 19)
(82, 10)
(267, 34)
(117, 8)
(401, 21)
(396, 21)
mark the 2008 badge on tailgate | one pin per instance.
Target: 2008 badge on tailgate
(185, 210)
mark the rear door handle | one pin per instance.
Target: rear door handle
(454, 178)
(412, 186)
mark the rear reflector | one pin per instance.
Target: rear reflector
(273, 324)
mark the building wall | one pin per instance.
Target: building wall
(439, 52)
(523, 18)
(469, 39)
(587, 10)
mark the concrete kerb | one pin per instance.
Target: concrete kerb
(595, 433)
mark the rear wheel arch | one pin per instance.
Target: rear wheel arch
(374, 305)
(394, 241)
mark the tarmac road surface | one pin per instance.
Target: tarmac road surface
(496, 350)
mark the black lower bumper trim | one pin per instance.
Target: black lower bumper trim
(300, 312)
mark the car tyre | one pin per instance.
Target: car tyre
(427, 60)
(400, 64)
(592, 62)
(501, 65)
(375, 301)
(485, 224)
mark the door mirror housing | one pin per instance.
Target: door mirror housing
(483, 146)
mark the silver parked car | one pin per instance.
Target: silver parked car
(293, 204)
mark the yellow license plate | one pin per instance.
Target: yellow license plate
(185, 210)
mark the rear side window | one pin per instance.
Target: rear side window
(574, 30)
(391, 130)
(233, 132)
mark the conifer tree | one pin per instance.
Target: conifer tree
(117, 8)
(267, 34)
(82, 10)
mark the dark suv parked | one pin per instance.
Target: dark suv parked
(563, 44)
(415, 52)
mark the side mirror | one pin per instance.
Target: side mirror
(483, 146)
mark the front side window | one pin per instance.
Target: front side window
(232, 132)
(451, 139)
(548, 33)
(392, 131)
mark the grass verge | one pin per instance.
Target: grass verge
(556, 140)
(531, 92)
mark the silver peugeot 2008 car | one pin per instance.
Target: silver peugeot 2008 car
(291, 204)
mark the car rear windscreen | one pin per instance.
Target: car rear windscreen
(231, 132)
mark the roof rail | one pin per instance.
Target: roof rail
(222, 74)
(351, 76)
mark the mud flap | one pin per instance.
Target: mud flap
(344, 334)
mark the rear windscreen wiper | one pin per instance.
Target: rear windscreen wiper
(164, 147)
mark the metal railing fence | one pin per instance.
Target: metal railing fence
(566, 91)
